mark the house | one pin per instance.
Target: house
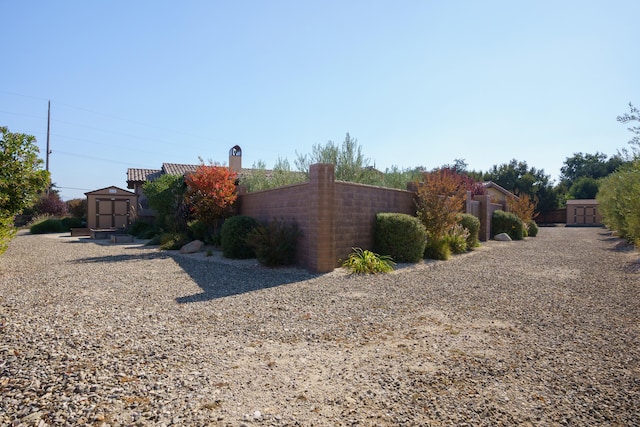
(136, 178)
(498, 194)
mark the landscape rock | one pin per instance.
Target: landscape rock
(192, 247)
(502, 237)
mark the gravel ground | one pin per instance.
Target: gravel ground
(539, 332)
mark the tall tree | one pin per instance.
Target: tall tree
(350, 163)
(632, 116)
(21, 178)
(518, 178)
(166, 196)
(588, 166)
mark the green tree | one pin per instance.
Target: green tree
(394, 177)
(260, 178)
(588, 166)
(350, 163)
(518, 178)
(21, 179)
(166, 197)
(584, 188)
(632, 116)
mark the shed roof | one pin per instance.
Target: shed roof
(106, 190)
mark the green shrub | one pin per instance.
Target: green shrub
(532, 228)
(619, 201)
(198, 230)
(472, 224)
(7, 231)
(142, 229)
(234, 235)
(43, 225)
(70, 222)
(274, 243)
(401, 236)
(154, 240)
(507, 222)
(437, 249)
(366, 262)
(457, 239)
(173, 241)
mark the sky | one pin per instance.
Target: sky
(416, 82)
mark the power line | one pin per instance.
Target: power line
(105, 115)
(95, 158)
(71, 188)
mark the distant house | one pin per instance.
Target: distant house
(136, 178)
(498, 193)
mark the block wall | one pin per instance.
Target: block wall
(332, 216)
(356, 207)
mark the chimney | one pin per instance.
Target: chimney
(235, 159)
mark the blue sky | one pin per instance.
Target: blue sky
(417, 83)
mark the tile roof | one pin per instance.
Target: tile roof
(141, 175)
(177, 168)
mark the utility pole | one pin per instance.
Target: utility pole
(48, 150)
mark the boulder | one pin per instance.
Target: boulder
(191, 247)
(502, 237)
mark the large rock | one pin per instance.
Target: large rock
(191, 247)
(502, 237)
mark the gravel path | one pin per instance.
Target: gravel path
(539, 332)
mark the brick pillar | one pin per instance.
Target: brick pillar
(485, 217)
(321, 238)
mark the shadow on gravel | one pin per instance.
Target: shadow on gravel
(125, 257)
(218, 280)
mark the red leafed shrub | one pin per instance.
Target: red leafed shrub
(51, 204)
(211, 192)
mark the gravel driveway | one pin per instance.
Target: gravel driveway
(539, 332)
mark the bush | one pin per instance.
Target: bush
(457, 239)
(143, 229)
(471, 224)
(43, 225)
(619, 201)
(234, 235)
(77, 207)
(50, 204)
(173, 241)
(197, 230)
(366, 262)
(507, 222)
(70, 222)
(438, 249)
(7, 231)
(401, 236)
(532, 228)
(274, 243)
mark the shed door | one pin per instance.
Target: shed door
(112, 213)
(585, 214)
